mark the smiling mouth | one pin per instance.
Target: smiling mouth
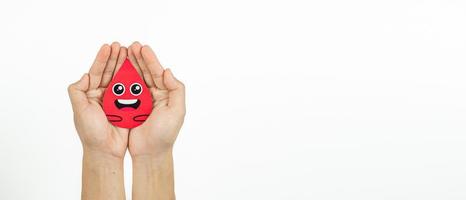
(131, 103)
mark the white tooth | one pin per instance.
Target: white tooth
(127, 101)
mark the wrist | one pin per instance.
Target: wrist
(101, 157)
(102, 176)
(158, 157)
(153, 176)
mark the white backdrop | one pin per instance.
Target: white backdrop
(290, 99)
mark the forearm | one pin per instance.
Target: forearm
(102, 177)
(153, 177)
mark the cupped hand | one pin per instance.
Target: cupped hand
(96, 133)
(158, 133)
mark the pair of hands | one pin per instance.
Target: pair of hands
(157, 134)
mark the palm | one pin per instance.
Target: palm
(98, 132)
(161, 128)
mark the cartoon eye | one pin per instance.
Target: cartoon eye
(118, 89)
(136, 89)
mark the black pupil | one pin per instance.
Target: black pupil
(118, 89)
(136, 89)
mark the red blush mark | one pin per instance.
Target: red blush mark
(127, 100)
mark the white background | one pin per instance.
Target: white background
(286, 99)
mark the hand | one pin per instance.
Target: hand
(151, 143)
(157, 134)
(97, 135)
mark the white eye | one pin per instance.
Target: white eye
(118, 89)
(136, 89)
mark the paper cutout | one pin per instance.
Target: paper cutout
(127, 100)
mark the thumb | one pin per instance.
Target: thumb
(176, 91)
(77, 92)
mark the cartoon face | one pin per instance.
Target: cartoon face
(127, 101)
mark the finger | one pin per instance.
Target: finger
(97, 69)
(132, 58)
(111, 63)
(153, 64)
(136, 49)
(176, 91)
(121, 58)
(77, 93)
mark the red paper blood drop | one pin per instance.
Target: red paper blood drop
(127, 100)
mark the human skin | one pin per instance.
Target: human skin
(150, 144)
(104, 145)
